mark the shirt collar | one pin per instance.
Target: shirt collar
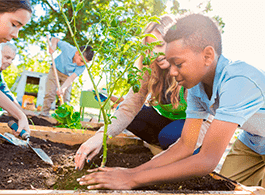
(199, 89)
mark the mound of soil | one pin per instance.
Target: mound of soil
(34, 120)
(21, 168)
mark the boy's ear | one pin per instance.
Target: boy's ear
(209, 55)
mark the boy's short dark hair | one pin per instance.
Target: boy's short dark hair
(87, 52)
(197, 31)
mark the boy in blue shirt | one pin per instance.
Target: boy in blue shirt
(233, 92)
(69, 65)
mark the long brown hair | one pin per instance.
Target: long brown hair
(14, 5)
(160, 79)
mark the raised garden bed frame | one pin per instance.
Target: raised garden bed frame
(78, 136)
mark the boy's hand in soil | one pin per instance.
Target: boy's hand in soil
(88, 149)
(108, 178)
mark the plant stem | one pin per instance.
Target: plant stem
(105, 149)
(94, 86)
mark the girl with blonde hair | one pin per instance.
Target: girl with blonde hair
(160, 120)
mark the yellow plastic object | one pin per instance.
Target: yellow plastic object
(87, 99)
(27, 102)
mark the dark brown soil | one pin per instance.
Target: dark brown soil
(22, 169)
(34, 120)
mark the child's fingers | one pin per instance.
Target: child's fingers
(15, 133)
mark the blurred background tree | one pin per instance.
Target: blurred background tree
(46, 17)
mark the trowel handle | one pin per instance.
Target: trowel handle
(13, 125)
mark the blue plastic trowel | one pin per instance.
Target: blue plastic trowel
(22, 143)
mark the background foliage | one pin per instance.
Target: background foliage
(47, 18)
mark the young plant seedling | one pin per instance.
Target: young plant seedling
(117, 43)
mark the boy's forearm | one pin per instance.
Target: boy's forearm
(69, 81)
(54, 42)
(181, 167)
(176, 171)
(179, 150)
(174, 153)
(214, 145)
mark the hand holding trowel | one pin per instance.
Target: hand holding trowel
(54, 69)
(25, 135)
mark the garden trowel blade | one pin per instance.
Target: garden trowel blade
(13, 140)
(41, 154)
(13, 125)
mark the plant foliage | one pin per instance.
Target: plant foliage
(67, 117)
(117, 42)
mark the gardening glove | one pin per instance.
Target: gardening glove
(88, 150)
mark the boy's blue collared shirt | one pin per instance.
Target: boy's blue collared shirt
(238, 97)
(64, 62)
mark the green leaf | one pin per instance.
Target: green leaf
(147, 69)
(146, 61)
(148, 35)
(129, 20)
(79, 6)
(136, 88)
(120, 8)
(153, 18)
(114, 23)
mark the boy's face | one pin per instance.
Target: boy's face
(186, 66)
(78, 59)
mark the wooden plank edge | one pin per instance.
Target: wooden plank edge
(123, 192)
(254, 190)
(72, 137)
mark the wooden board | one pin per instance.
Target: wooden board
(123, 192)
(78, 136)
(72, 136)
